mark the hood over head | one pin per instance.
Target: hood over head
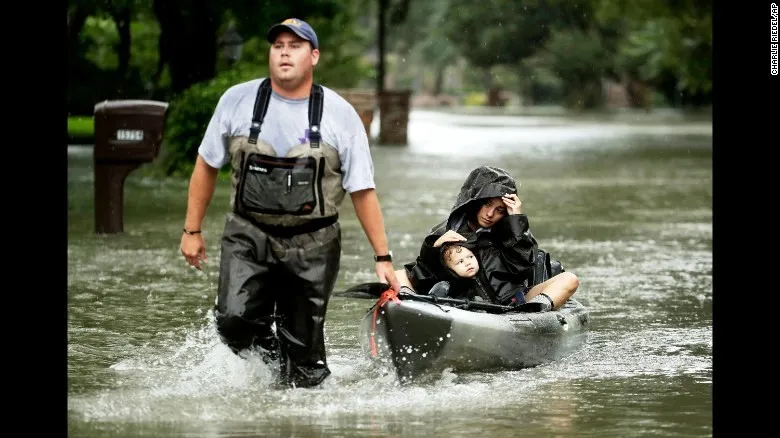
(482, 183)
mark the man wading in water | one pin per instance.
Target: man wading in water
(296, 148)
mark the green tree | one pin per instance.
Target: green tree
(189, 30)
(164, 47)
(667, 44)
(575, 57)
(580, 60)
(494, 32)
(99, 49)
(423, 41)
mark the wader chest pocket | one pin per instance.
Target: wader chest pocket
(278, 185)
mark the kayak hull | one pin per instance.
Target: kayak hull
(421, 338)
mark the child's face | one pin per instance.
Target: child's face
(462, 261)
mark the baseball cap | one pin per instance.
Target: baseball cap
(298, 27)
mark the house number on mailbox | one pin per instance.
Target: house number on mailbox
(129, 134)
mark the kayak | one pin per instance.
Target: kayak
(422, 338)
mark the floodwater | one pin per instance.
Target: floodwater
(623, 202)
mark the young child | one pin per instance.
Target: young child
(467, 280)
(460, 260)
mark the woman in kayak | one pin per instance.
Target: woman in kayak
(487, 213)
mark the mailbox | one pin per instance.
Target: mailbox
(128, 133)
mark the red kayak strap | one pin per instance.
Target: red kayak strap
(388, 295)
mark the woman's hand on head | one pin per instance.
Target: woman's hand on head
(449, 236)
(513, 203)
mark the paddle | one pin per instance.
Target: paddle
(375, 290)
(370, 291)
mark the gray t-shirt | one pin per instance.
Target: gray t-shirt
(286, 124)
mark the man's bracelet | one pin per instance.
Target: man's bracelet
(191, 232)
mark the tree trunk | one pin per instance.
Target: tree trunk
(493, 93)
(76, 20)
(188, 40)
(162, 60)
(487, 78)
(122, 17)
(438, 83)
(380, 69)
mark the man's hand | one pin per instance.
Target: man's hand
(513, 203)
(202, 182)
(449, 236)
(386, 274)
(193, 248)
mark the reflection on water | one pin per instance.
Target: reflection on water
(432, 133)
(627, 207)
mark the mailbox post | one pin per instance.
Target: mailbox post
(128, 134)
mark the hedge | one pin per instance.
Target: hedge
(189, 114)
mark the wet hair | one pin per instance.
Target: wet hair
(448, 251)
(472, 208)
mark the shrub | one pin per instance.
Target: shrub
(189, 114)
(580, 60)
(475, 99)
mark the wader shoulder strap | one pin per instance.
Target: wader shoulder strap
(261, 106)
(315, 115)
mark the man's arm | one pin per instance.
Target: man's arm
(369, 214)
(202, 183)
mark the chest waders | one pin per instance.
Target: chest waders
(281, 247)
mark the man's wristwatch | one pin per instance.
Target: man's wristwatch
(384, 258)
